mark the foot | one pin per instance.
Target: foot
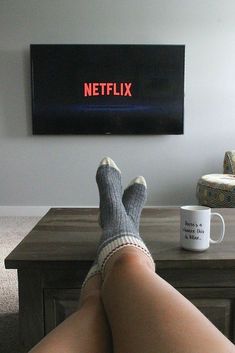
(108, 178)
(134, 198)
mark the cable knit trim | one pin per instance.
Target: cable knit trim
(114, 237)
(123, 241)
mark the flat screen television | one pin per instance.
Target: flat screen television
(107, 89)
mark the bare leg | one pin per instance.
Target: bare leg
(147, 314)
(86, 331)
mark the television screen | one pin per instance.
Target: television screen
(107, 89)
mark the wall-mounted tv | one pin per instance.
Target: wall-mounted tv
(107, 89)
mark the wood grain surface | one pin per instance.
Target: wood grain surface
(66, 236)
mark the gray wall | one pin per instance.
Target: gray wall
(60, 170)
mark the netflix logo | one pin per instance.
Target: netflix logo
(107, 89)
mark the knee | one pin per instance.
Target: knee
(130, 259)
(127, 259)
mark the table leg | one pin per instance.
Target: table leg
(31, 312)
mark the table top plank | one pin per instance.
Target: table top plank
(65, 237)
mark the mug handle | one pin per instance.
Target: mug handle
(222, 231)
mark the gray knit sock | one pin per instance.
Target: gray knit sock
(119, 217)
(109, 191)
(134, 198)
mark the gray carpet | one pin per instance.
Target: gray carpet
(12, 231)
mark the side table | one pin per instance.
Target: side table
(53, 259)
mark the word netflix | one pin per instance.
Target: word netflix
(107, 89)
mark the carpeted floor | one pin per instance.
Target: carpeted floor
(12, 231)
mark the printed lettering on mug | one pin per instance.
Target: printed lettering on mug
(193, 230)
(195, 224)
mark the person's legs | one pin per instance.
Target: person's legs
(146, 314)
(85, 331)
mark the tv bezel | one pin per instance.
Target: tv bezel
(92, 130)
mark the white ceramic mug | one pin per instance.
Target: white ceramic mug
(195, 224)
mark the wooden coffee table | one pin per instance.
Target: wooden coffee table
(53, 259)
